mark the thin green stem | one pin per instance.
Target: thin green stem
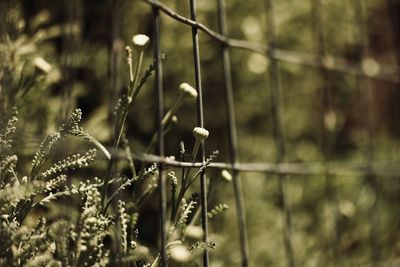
(135, 77)
(172, 111)
(194, 154)
(186, 174)
(119, 130)
(128, 153)
(167, 128)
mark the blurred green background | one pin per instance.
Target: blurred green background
(82, 39)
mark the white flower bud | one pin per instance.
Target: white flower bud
(180, 253)
(171, 157)
(174, 119)
(140, 41)
(226, 175)
(187, 91)
(193, 231)
(200, 133)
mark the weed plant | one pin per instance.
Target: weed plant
(98, 225)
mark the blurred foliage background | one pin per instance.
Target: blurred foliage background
(84, 43)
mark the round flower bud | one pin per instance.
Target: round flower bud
(174, 119)
(180, 253)
(200, 133)
(193, 231)
(140, 41)
(187, 91)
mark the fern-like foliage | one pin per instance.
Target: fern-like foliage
(33, 244)
(69, 127)
(80, 132)
(88, 235)
(151, 171)
(54, 189)
(7, 166)
(71, 123)
(8, 161)
(123, 224)
(44, 151)
(202, 245)
(186, 210)
(12, 195)
(208, 161)
(70, 163)
(174, 186)
(7, 127)
(92, 228)
(7, 232)
(220, 208)
(59, 232)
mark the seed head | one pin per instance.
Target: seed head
(200, 133)
(140, 41)
(187, 91)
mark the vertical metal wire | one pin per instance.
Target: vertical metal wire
(200, 121)
(327, 133)
(160, 110)
(230, 111)
(366, 93)
(277, 113)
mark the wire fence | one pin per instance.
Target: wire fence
(326, 64)
(280, 169)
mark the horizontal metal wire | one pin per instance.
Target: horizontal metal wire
(380, 168)
(383, 168)
(385, 73)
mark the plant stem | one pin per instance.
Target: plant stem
(119, 128)
(134, 81)
(172, 111)
(184, 186)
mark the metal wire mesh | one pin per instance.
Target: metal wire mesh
(325, 64)
(280, 168)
